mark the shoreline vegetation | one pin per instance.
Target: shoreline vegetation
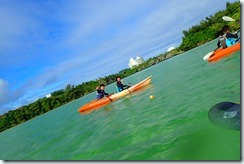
(207, 30)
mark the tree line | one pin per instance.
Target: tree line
(211, 27)
(207, 30)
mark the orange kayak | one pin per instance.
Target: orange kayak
(106, 100)
(220, 53)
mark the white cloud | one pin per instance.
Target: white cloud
(4, 91)
(7, 96)
(16, 24)
(156, 28)
(99, 17)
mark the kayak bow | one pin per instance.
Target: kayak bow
(220, 53)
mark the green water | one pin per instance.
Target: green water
(172, 126)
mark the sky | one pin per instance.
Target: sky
(47, 44)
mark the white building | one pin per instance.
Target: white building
(135, 62)
(49, 95)
(139, 60)
(170, 49)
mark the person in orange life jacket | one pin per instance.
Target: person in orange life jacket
(120, 85)
(228, 39)
(100, 92)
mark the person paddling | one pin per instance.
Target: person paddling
(120, 85)
(101, 92)
(228, 38)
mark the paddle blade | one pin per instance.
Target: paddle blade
(206, 57)
(225, 115)
(227, 18)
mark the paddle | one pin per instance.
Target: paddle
(225, 18)
(108, 96)
(206, 57)
(225, 115)
(229, 19)
(128, 86)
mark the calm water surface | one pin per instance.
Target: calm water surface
(172, 126)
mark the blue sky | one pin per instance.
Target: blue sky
(47, 44)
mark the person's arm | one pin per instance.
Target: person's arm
(127, 86)
(99, 91)
(218, 44)
(230, 35)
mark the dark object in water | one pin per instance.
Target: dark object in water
(226, 115)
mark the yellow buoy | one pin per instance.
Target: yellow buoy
(151, 97)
